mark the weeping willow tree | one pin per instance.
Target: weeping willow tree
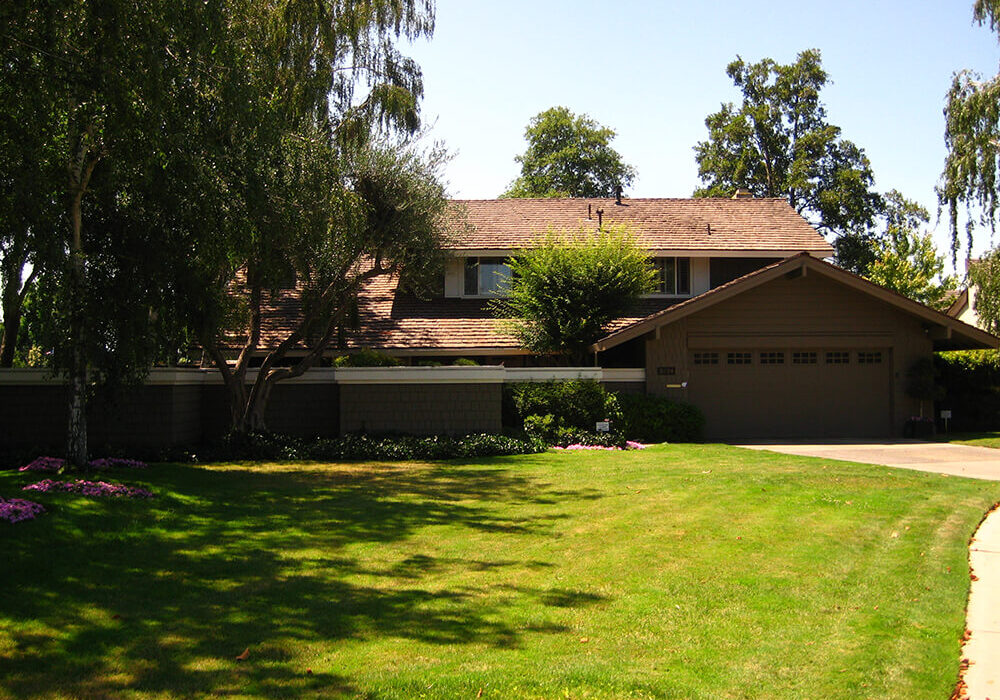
(972, 136)
(181, 141)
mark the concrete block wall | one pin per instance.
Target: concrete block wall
(188, 407)
(420, 409)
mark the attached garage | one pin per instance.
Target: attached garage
(798, 349)
(786, 392)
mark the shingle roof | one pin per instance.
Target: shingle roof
(708, 224)
(390, 319)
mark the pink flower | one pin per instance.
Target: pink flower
(44, 464)
(14, 510)
(98, 489)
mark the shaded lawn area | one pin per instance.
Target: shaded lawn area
(687, 571)
(989, 438)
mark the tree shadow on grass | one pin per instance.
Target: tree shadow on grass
(103, 599)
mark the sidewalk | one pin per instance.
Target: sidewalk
(982, 650)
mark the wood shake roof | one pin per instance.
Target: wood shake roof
(709, 224)
(396, 321)
(393, 320)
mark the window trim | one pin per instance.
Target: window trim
(658, 265)
(467, 265)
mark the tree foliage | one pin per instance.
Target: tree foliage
(778, 143)
(563, 294)
(569, 155)
(382, 215)
(183, 141)
(972, 135)
(984, 276)
(908, 263)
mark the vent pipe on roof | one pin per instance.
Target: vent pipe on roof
(589, 215)
(709, 227)
(743, 193)
(600, 219)
(618, 195)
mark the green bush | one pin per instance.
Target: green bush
(579, 403)
(562, 413)
(366, 358)
(465, 362)
(649, 418)
(971, 381)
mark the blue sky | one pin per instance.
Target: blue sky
(654, 70)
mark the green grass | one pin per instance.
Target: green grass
(981, 439)
(678, 572)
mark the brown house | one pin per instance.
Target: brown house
(749, 323)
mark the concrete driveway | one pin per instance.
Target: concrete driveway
(944, 458)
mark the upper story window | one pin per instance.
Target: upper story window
(485, 277)
(674, 275)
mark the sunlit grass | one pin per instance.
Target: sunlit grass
(679, 571)
(980, 439)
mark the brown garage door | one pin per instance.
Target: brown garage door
(778, 392)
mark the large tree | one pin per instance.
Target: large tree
(905, 259)
(909, 264)
(562, 294)
(328, 193)
(378, 212)
(181, 131)
(90, 92)
(777, 142)
(972, 136)
(569, 155)
(984, 276)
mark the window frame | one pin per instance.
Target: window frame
(476, 262)
(681, 273)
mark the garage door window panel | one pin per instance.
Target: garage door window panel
(804, 358)
(706, 358)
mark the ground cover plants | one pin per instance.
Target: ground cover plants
(677, 571)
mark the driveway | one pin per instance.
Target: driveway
(940, 457)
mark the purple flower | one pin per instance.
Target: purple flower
(14, 510)
(586, 447)
(44, 464)
(97, 489)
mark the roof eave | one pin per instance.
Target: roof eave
(954, 334)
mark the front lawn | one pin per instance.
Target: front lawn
(679, 571)
(980, 439)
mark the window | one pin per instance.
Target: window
(869, 358)
(738, 358)
(706, 358)
(674, 275)
(485, 277)
(838, 358)
(772, 358)
(803, 358)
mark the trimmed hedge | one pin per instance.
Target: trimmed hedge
(649, 418)
(971, 380)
